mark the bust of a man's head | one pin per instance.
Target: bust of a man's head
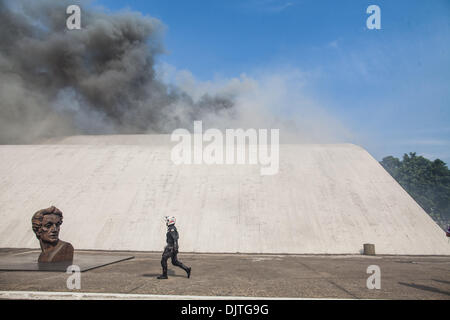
(46, 224)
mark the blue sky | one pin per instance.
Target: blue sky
(389, 87)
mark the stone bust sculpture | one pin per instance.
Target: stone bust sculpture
(46, 225)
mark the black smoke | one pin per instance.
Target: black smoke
(98, 80)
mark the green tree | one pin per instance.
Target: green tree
(428, 182)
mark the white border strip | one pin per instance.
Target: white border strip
(43, 295)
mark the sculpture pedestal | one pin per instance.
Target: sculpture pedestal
(28, 261)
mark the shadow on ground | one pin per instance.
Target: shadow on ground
(170, 273)
(441, 281)
(426, 288)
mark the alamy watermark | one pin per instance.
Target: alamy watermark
(215, 147)
(73, 22)
(73, 282)
(374, 20)
(374, 281)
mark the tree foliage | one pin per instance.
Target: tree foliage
(428, 182)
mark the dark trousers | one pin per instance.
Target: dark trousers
(169, 252)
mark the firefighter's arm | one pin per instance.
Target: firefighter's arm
(174, 234)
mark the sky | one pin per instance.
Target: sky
(390, 87)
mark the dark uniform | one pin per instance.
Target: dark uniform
(171, 251)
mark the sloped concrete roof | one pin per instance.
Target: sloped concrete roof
(115, 190)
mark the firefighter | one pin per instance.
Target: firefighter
(171, 249)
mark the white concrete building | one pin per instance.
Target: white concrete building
(115, 190)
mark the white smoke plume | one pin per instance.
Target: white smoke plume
(103, 79)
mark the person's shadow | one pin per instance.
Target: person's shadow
(170, 273)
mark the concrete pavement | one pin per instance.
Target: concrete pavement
(239, 275)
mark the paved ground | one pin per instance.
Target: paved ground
(300, 276)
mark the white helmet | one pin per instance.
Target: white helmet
(170, 220)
